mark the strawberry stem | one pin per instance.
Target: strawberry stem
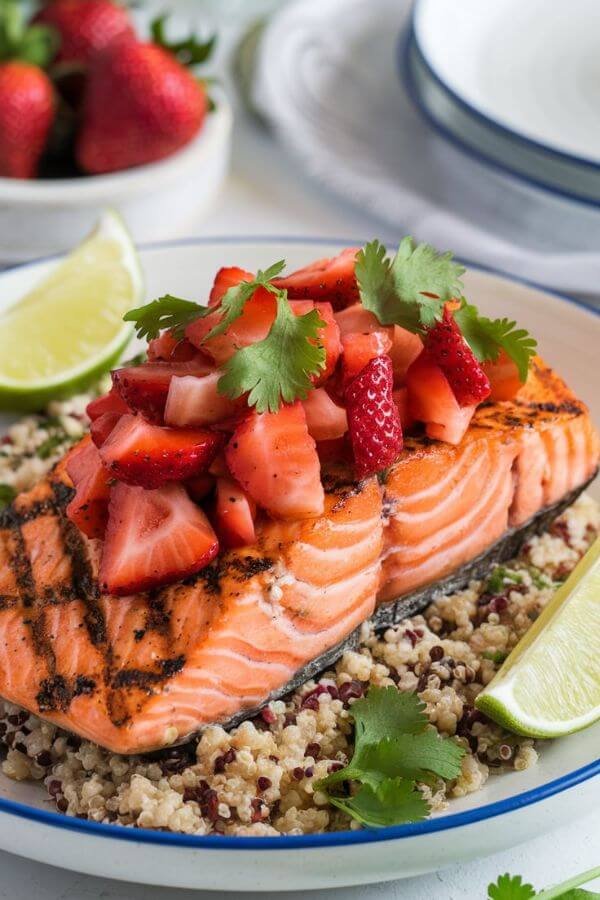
(36, 44)
(189, 52)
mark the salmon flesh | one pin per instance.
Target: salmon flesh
(139, 673)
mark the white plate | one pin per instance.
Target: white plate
(517, 83)
(510, 809)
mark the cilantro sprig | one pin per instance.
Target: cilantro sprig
(7, 495)
(393, 750)
(166, 312)
(512, 887)
(411, 289)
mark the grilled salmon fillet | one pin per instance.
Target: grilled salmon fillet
(139, 673)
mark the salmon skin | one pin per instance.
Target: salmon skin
(139, 673)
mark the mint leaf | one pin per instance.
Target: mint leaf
(487, 337)
(393, 802)
(510, 887)
(279, 368)
(235, 298)
(7, 495)
(166, 312)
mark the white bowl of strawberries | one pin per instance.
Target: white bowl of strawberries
(92, 116)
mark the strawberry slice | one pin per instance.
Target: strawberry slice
(227, 277)
(359, 349)
(404, 350)
(167, 348)
(235, 512)
(447, 347)
(153, 538)
(89, 507)
(275, 460)
(108, 403)
(253, 325)
(504, 377)
(197, 401)
(329, 337)
(373, 419)
(356, 318)
(326, 420)
(431, 400)
(145, 388)
(332, 279)
(102, 427)
(139, 453)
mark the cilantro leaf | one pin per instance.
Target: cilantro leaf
(487, 337)
(510, 887)
(393, 749)
(579, 894)
(166, 312)
(392, 802)
(500, 576)
(386, 712)
(235, 298)
(278, 368)
(419, 270)
(7, 495)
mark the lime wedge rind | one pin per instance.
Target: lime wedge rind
(79, 288)
(550, 684)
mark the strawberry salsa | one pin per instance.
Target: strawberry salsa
(241, 402)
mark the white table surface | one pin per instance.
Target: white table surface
(267, 195)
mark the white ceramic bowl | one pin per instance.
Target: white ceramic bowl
(158, 201)
(510, 808)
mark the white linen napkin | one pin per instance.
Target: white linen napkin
(327, 80)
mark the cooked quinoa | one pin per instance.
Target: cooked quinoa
(259, 778)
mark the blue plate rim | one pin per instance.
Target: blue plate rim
(330, 839)
(407, 42)
(492, 123)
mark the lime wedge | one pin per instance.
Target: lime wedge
(550, 684)
(69, 329)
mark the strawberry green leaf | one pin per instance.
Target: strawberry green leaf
(510, 887)
(166, 312)
(487, 337)
(190, 51)
(279, 368)
(393, 802)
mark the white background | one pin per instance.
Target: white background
(267, 195)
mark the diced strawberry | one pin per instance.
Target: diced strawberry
(227, 277)
(275, 460)
(431, 400)
(235, 512)
(447, 347)
(102, 427)
(107, 403)
(504, 377)
(200, 486)
(253, 325)
(401, 400)
(196, 401)
(219, 468)
(326, 420)
(145, 388)
(167, 348)
(404, 350)
(358, 349)
(332, 279)
(373, 419)
(139, 453)
(89, 507)
(329, 336)
(356, 318)
(153, 538)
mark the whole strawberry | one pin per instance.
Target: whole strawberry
(26, 93)
(141, 104)
(85, 26)
(447, 347)
(373, 418)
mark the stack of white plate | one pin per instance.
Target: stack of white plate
(515, 84)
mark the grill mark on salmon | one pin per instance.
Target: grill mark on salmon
(138, 673)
